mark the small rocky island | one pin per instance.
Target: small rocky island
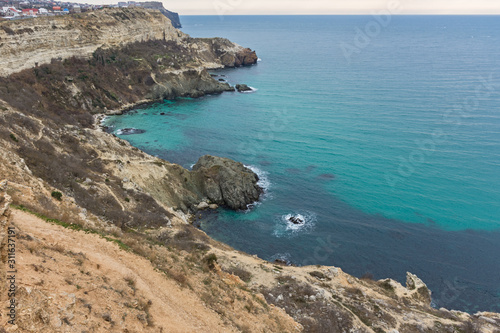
(243, 87)
(295, 219)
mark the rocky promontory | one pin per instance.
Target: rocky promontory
(226, 182)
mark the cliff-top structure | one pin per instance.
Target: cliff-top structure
(104, 235)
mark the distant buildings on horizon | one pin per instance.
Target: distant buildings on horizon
(13, 9)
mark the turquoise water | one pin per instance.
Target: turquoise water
(391, 152)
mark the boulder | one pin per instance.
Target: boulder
(243, 87)
(296, 220)
(202, 205)
(226, 182)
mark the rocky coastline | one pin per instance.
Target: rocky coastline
(59, 165)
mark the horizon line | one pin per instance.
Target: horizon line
(349, 14)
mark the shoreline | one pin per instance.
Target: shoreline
(138, 201)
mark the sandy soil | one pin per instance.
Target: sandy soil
(90, 284)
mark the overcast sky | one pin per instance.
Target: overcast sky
(263, 7)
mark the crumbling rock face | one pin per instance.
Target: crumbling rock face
(228, 53)
(418, 288)
(27, 43)
(226, 182)
(158, 5)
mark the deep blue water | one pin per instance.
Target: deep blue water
(387, 144)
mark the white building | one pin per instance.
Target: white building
(10, 12)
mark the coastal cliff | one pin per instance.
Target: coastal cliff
(26, 43)
(75, 177)
(173, 17)
(30, 43)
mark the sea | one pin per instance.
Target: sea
(382, 134)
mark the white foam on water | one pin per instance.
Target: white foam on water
(250, 91)
(263, 183)
(286, 228)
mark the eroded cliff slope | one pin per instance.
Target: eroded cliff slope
(71, 173)
(27, 43)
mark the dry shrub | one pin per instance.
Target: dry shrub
(316, 316)
(179, 277)
(243, 274)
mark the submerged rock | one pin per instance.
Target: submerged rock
(226, 182)
(129, 131)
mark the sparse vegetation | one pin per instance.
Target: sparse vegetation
(243, 274)
(210, 260)
(57, 195)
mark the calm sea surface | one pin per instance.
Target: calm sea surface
(386, 141)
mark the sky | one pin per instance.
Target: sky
(325, 7)
(262, 7)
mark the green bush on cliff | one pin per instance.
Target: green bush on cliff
(57, 195)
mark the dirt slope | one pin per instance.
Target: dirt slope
(82, 282)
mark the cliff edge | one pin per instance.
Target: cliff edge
(172, 16)
(101, 203)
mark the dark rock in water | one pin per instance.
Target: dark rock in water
(162, 113)
(226, 182)
(327, 176)
(129, 131)
(292, 170)
(310, 168)
(222, 80)
(281, 262)
(243, 87)
(296, 220)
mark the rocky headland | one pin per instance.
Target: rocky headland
(101, 203)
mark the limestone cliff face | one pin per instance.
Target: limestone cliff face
(28, 43)
(48, 143)
(173, 17)
(25, 43)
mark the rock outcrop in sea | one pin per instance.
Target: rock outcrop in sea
(242, 88)
(226, 182)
